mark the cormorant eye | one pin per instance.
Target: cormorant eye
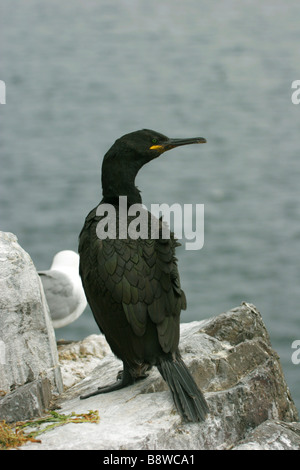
(154, 141)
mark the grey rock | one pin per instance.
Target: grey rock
(231, 359)
(28, 350)
(272, 435)
(79, 358)
(29, 400)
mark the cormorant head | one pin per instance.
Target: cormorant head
(129, 153)
(145, 145)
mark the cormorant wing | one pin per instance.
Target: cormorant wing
(142, 276)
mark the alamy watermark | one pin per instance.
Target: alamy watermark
(133, 222)
(2, 353)
(296, 354)
(2, 92)
(296, 94)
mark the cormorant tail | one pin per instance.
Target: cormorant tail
(188, 399)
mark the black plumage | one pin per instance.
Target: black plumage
(133, 285)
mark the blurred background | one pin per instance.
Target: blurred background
(81, 74)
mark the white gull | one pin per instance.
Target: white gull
(63, 288)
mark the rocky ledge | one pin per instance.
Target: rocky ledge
(230, 357)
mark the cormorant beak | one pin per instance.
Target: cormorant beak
(172, 143)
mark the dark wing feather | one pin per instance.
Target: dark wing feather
(141, 275)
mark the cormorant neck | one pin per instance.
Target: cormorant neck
(119, 182)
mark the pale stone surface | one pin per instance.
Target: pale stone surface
(78, 359)
(272, 435)
(231, 359)
(28, 347)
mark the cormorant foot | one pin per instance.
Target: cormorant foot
(124, 378)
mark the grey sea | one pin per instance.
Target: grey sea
(80, 74)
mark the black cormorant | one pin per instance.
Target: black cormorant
(132, 284)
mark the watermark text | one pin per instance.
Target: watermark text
(2, 92)
(136, 222)
(296, 94)
(2, 353)
(296, 354)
